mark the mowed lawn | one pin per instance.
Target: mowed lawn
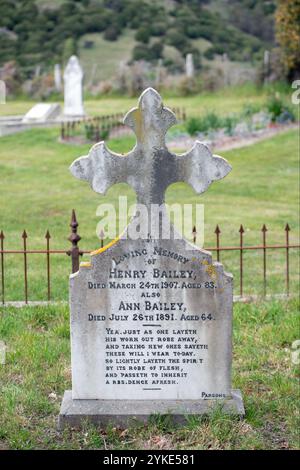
(37, 193)
(37, 371)
(223, 102)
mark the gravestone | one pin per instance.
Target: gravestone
(189, 66)
(151, 316)
(57, 77)
(73, 95)
(42, 112)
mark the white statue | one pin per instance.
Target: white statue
(73, 77)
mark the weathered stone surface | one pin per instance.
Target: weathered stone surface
(151, 318)
(42, 112)
(73, 95)
(128, 412)
(148, 318)
(149, 168)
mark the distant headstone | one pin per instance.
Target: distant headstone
(57, 77)
(158, 77)
(42, 112)
(37, 72)
(266, 71)
(151, 317)
(189, 65)
(73, 95)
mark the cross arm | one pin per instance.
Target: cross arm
(101, 168)
(199, 167)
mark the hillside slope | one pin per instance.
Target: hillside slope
(114, 30)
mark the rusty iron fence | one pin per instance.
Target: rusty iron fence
(101, 127)
(75, 253)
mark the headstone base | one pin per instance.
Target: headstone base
(122, 413)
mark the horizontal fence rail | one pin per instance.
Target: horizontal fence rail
(102, 127)
(75, 253)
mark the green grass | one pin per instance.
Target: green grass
(223, 102)
(106, 54)
(37, 192)
(37, 372)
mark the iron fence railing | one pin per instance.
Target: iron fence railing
(75, 253)
(101, 127)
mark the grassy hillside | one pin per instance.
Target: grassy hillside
(104, 55)
(62, 27)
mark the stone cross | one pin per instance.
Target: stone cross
(73, 98)
(150, 168)
(151, 317)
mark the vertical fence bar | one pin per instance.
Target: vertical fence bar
(217, 232)
(264, 231)
(102, 235)
(2, 266)
(48, 236)
(24, 236)
(74, 239)
(241, 259)
(287, 229)
(194, 232)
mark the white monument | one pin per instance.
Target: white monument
(189, 66)
(42, 112)
(73, 77)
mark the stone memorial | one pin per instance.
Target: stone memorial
(189, 66)
(151, 316)
(73, 94)
(57, 77)
(42, 112)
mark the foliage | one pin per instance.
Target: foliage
(60, 27)
(288, 35)
(278, 109)
(209, 121)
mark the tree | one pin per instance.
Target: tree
(287, 17)
(143, 34)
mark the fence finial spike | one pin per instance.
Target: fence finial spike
(48, 236)
(217, 230)
(73, 216)
(264, 228)
(2, 235)
(194, 231)
(102, 234)
(241, 230)
(287, 228)
(24, 234)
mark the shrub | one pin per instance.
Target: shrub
(143, 34)
(210, 121)
(111, 33)
(278, 110)
(229, 123)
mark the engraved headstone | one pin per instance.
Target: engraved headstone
(73, 96)
(151, 317)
